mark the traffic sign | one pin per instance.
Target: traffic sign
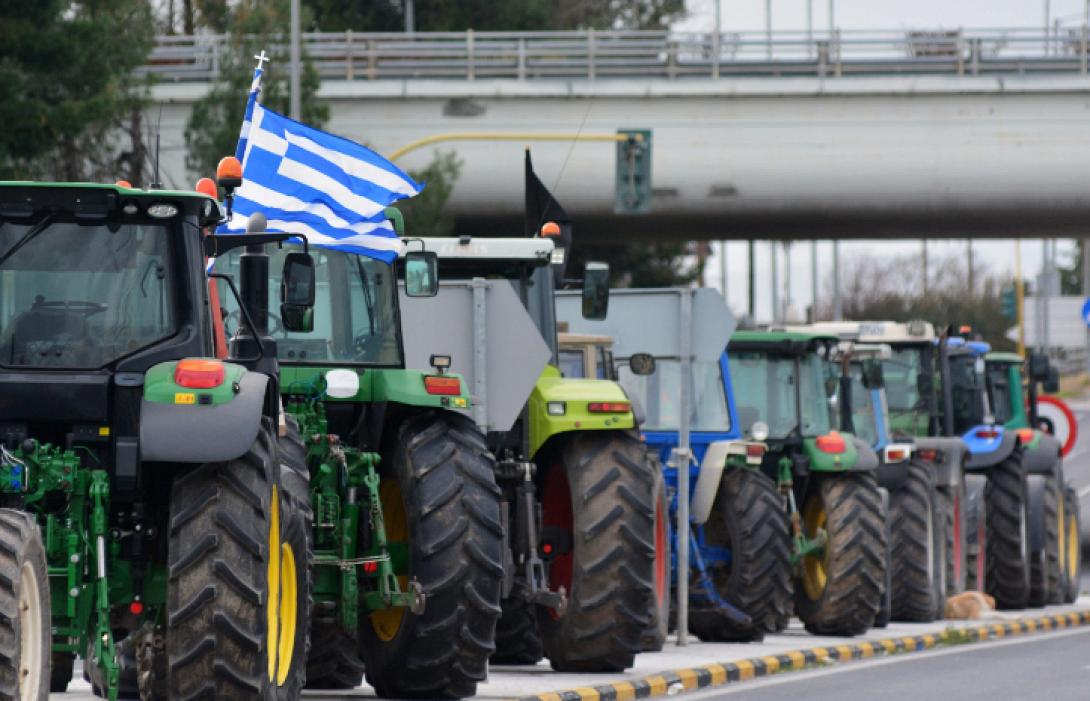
(1086, 312)
(1064, 426)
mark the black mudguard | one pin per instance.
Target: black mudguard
(982, 461)
(868, 459)
(201, 434)
(952, 454)
(892, 475)
(1044, 458)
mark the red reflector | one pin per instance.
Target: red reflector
(136, 608)
(988, 433)
(831, 442)
(896, 455)
(442, 385)
(928, 454)
(370, 567)
(199, 373)
(609, 407)
(1025, 435)
(547, 548)
(755, 451)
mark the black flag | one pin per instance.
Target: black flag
(541, 209)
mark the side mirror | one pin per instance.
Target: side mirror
(1039, 367)
(297, 293)
(1051, 384)
(595, 291)
(421, 274)
(641, 364)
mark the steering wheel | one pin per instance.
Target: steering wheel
(87, 308)
(274, 328)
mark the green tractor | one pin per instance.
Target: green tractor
(578, 490)
(406, 514)
(1053, 532)
(150, 521)
(783, 382)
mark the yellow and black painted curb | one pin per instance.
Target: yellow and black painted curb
(717, 674)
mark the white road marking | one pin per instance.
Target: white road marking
(859, 665)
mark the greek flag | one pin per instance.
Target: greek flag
(306, 181)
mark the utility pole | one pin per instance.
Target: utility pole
(295, 105)
(752, 282)
(1048, 27)
(810, 28)
(832, 16)
(923, 244)
(723, 271)
(969, 258)
(786, 280)
(774, 262)
(838, 305)
(768, 29)
(410, 17)
(813, 281)
(1020, 297)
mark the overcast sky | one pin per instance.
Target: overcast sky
(740, 15)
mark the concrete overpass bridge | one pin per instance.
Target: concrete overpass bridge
(844, 135)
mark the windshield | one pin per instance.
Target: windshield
(785, 392)
(1000, 396)
(660, 392)
(863, 409)
(355, 317)
(81, 296)
(571, 363)
(967, 389)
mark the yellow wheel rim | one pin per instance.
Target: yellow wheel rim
(282, 609)
(289, 593)
(1061, 535)
(814, 573)
(1072, 547)
(387, 622)
(272, 606)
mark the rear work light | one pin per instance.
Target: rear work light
(442, 385)
(199, 373)
(755, 450)
(987, 433)
(896, 454)
(609, 407)
(831, 442)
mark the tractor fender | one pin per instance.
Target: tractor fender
(868, 458)
(1036, 485)
(947, 467)
(707, 481)
(199, 434)
(982, 460)
(1043, 458)
(892, 475)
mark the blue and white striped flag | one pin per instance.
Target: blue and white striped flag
(306, 181)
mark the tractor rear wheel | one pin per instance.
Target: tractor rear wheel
(654, 636)
(917, 548)
(442, 508)
(1044, 557)
(950, 503)
(597, 505)
(1072, 548)
(749, 519)
(840, 592)
(885, 610)
(237, 587)
(517, 638)
(25, 622)
(61, 672)
(1006, 501)
(976, 539)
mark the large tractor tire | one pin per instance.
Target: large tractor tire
(951, 505)
(1072, 547)
(442, 507)
(917, 548)
(25, 622)
(597, 506)
(976, 533)
(1045, 575)
(749, 519)
(885, 611)
(1006, 501)
(841, 592)
(237, 588)
(518, 641)
(60, 673)
(654, 636)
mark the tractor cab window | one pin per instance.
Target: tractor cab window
(864, 412)
(83, 295)
(901, 373)
(785, 392)
(660, 392)
(355, 312)
(968, 392)
(571, 363)
(1001, 394)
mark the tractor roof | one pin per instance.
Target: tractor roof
(779, 341)
(566, 338)
(533, 251)
(1003, 357)
(893, 332)
(93, 200)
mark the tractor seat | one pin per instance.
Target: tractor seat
(38, 328)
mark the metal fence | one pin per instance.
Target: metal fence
(593, 54)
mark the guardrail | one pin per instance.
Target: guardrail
(591, 54)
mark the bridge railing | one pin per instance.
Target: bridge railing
(590, 54)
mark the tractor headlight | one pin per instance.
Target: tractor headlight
(556, 408)
(759, 431)
(162, 210)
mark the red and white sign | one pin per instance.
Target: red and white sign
(1065, 427)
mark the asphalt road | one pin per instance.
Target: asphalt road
(1053, 666)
